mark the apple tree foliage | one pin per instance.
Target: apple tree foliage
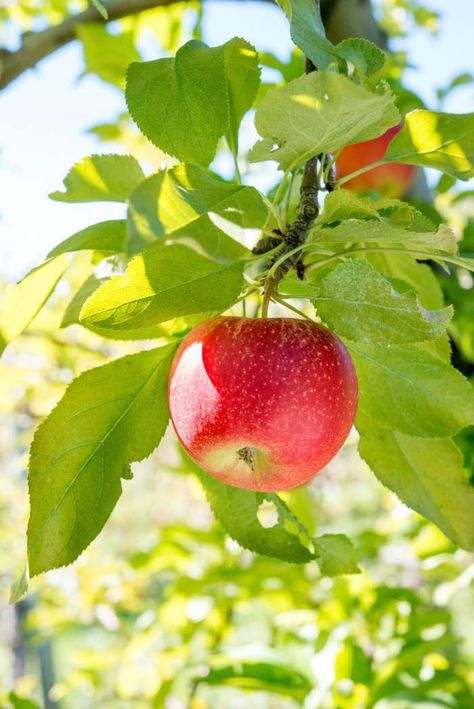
(178, 256)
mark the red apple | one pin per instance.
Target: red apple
(262, 404)
(390, 180)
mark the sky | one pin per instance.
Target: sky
(44, 116)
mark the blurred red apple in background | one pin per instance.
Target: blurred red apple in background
(262, 404)
(390, 180)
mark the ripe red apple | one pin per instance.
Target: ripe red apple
(390, 180)
(262, 404)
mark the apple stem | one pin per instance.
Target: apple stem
(361, 170)
(268, 291)
(248, 455)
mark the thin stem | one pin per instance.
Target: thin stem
(283, 302)
(254, 258)
(233, 151)
(282, 259)
(320, 172)
(288, 197)
(268, 294)
(328, 167)
(247, 294)
(346, 178)
(237, 175)
(376, 250)
(272, 212)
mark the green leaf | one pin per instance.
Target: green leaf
(418, 275)
(258, 670)
(171, 328)
(71, 315)
(287, 540)
(207, 239)
(362, 54)
(101, 178)
(18, 702)
(164, 282)
(179, 203)
(243, 81)
(335, 554)
(320, 112)
(108, 418)
(237, 509)
(426, 475)
(23, 301)
(409, 216)
(307, 31)
(443, 141)
(422, 279)
(357, 302)
(182, 104)
(344, 204)
(460, 80)
(100, 8)
(19, 588)
(107, 55)
(109, 236)
(382, 232)
(466, 261)
(412, 391)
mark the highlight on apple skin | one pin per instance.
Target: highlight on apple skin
(389, 180)
(262, 404)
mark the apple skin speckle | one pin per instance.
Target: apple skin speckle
(284, 389)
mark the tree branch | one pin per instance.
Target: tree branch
(342, 18)
(38, 45)
(351, 18)
(306, 213)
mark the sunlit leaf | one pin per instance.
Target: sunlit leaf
(180, 204)
(365, 56)
(105, 54)
(318, 113)
(344, 204)
(443, 141)
(335, 554)
(164, 282)
(182, 104)
(243, 80)
(20, 587)
(107, 178)
(109, 236)
(108, 418)
(422, 279)
(23, 301)
(359, 303)
(427, 476)
(382, 232)
(307, 31)
(171, 328)
(412, 391)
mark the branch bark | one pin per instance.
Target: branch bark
(38, 45)
(343, 18)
